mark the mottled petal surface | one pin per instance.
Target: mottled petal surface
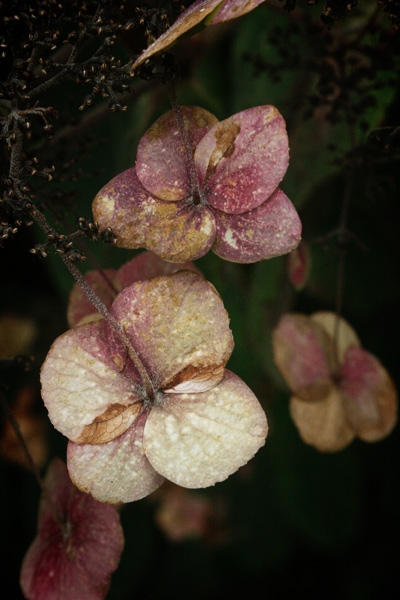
(78, 562)
(272, 229)
(175, 231)
(114, 472)
(180, 232)
(125, 206)
(196, 440)
(82, 388)
(369, 395)
(161, 163)
(242, 160)
(175, 322)
(110, 282)
(346, 335)
(322, 424)
(305, 355)
(80, 310)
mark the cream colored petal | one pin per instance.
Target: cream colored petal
(196, 440)
(81, 386)
(322, 424)
(178, 325)
(114, 472)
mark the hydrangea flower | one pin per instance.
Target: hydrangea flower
(226, 200)
(340, 391)
(197, 425)
(143, 266)
(78, 546)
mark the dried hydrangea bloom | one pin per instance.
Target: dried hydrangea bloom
(200, 13)
(198, 424)
(144, 266)
(227, 199)
(340, 391)
(78, 546)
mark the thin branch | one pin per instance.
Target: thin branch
(14, 424)
(100, 306)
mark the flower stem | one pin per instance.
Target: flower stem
(32, 465)
(342, 238)
(100, 306)
(17, 430)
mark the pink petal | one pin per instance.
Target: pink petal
(77, 562)
(114, 472)
(231, 9)
(147, 266)
(80, 310)
(191, 17)
(305, 355)
(88, 399)
(272, 229)
(322, 424)
(196, 440)
(370, 398)
(125, 206)
(175, 231)
(144, 266)
(242, 160)
(332, 325)
(161, 164)
(177, 324)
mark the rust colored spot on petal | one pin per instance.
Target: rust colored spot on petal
(111, 424)
(195, 379)
(120, 366)
(225, 136)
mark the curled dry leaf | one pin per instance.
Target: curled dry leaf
(199, 14)
(199, 423)
(228, 200)
(110, 282)
(78, 545)
(340, 391)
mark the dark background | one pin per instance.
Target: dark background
(294, 521)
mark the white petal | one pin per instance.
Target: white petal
(116, 471)
(80, 382)
(196, 440)
(322, 424)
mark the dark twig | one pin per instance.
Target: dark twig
(100, 306)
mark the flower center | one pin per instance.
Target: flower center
(197, 197)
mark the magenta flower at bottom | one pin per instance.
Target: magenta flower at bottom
(226, 198)
(198, 425)
(78, 545)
